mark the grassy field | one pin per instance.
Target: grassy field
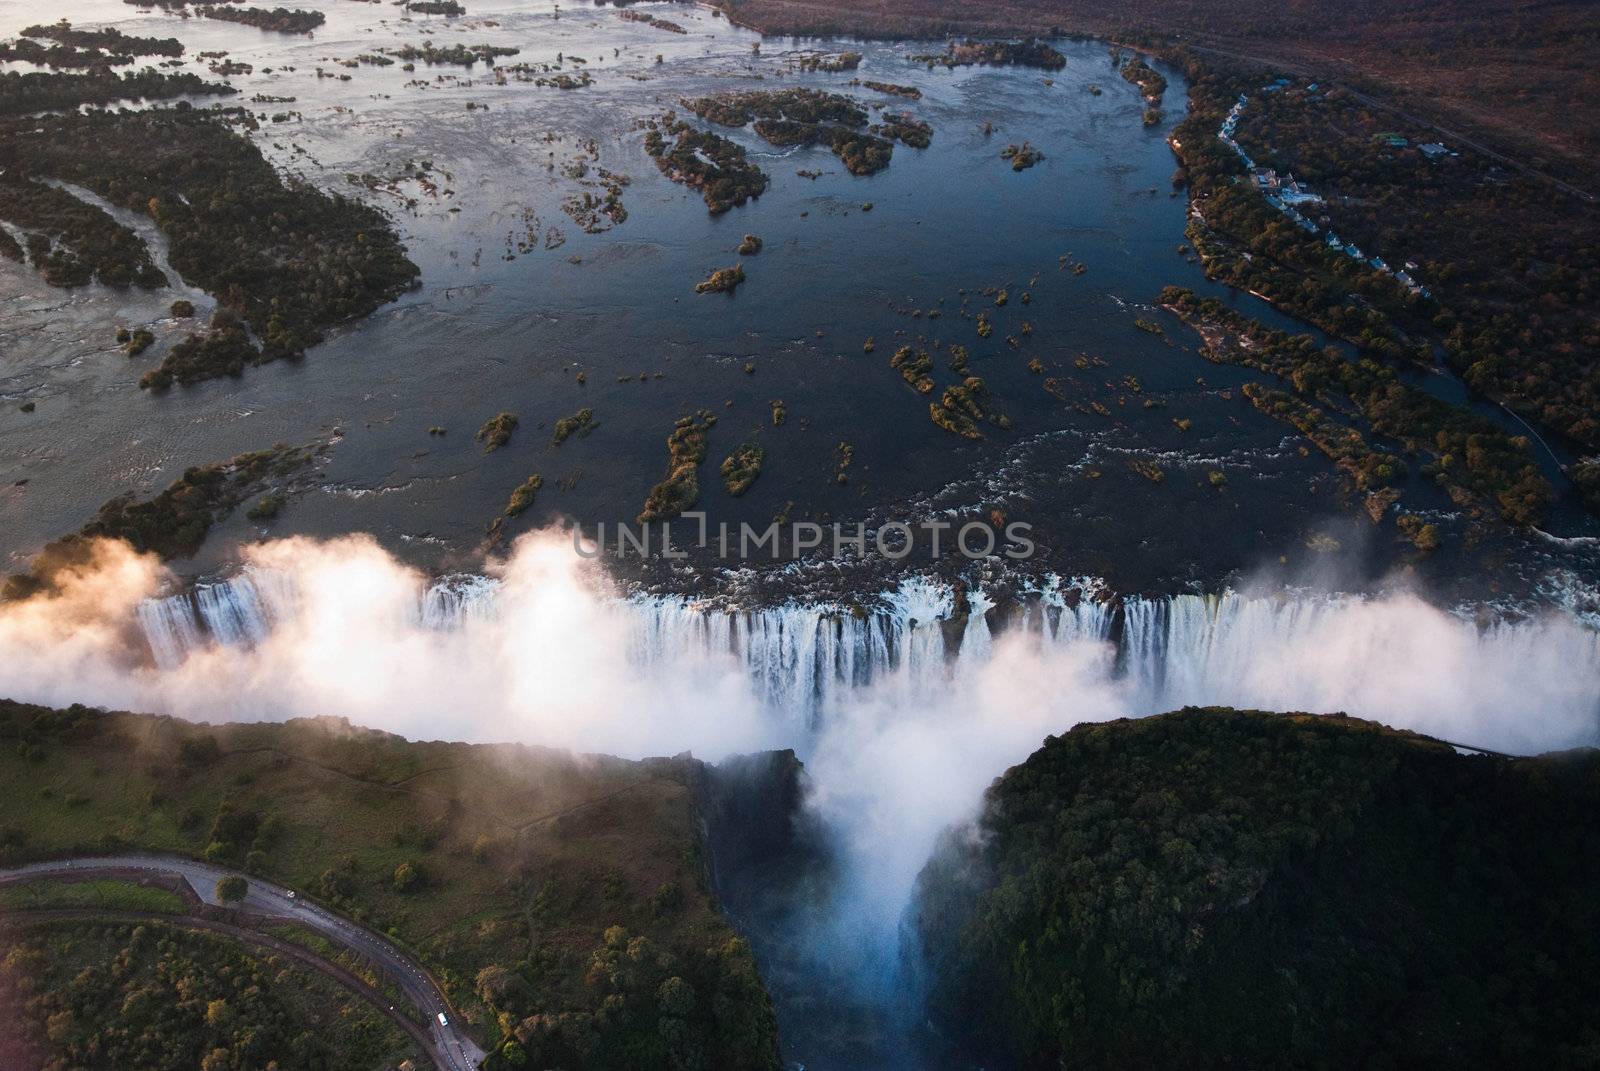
(108, 895)
(474, 857)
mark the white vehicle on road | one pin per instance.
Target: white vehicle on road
(442, 1020)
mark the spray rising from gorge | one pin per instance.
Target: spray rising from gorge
(903, 710)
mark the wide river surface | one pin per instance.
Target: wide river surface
(517, 299)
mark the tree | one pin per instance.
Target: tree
(232, 889)
(406, 877)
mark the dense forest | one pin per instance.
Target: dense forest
(283, 258)
(143, 995)
(71, 242)
(323, 260)
(1510, 266)
(22, 93)
(1477, 464)
(1218, 887)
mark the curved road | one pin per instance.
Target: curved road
(452, 1049)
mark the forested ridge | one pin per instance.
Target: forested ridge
(1218, 887)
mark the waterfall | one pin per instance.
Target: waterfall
(1325, 652)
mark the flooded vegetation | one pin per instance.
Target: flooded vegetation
(680, 488)
(1021, 156)
(722, 281)
(325, 259)
(804, 117)
(277, 20)
(704, 161)
(1029, 52)
(496, 431)
(740, 468)
(580, 424)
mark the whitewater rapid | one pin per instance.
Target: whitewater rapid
(1519, 685)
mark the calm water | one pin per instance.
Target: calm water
(516, 299)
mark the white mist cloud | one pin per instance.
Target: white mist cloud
(908, 759)
(892, 763)
(550, 666)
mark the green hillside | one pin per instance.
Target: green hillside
(558, 898)
(1227, 887)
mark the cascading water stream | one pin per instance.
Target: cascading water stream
(1320, 652)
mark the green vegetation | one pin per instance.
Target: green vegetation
(809, 117)
(1472, 459)
(1021, 156)
(323, 261)
(222, 349)
(721, 281)
(1218, 887)
(523, 497)
(139, 340)
(740, 468)
(914, 366)
(652, 20)
(1425, 537)
(1150, 81)
(100, 895)
(862, 154)
(1510, 265)
(706, 1009)
(806, 107)
(680, 488)
(113, 42)
(457, 55)
(267, 507)
(1147, 468)
(545, 851)
(151, 994)
(278, 20)
(71, 242)
(832, 63)
(704, 161)
(59, 57)
(435, 7)
(963, 407)
(893, 90)
(175, 522)
(496, 431)
(232, 889)
(844, 455)
(22, 93)
(580, 424)
(1025, 53)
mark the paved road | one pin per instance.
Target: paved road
(453, 1049)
